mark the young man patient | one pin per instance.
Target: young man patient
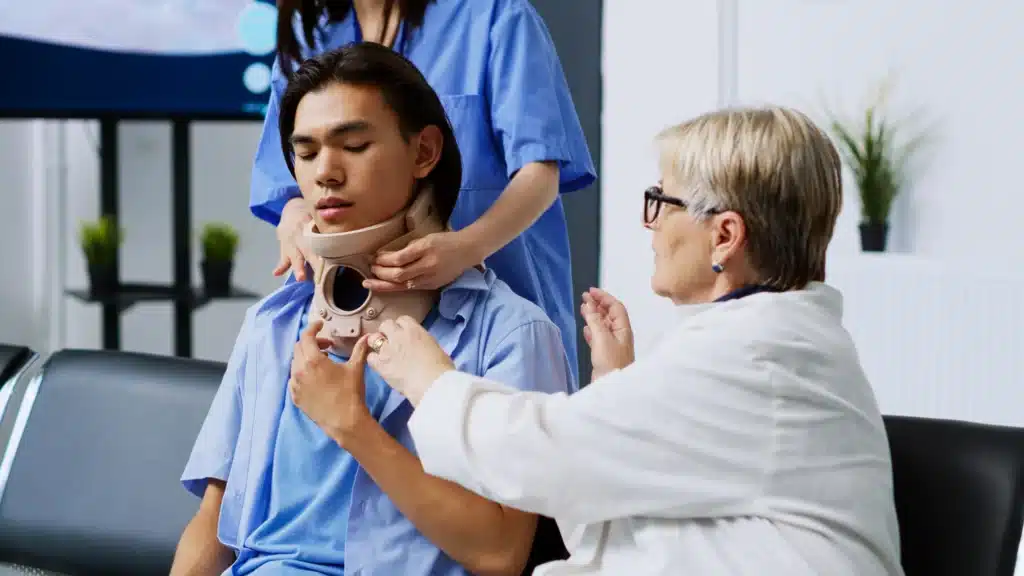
(304, 463)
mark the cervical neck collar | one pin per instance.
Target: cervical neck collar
(347, 309)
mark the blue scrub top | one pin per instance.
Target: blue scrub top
(295, 503)
(309, 496)
(494, 66)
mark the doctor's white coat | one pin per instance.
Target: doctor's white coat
(748, 442)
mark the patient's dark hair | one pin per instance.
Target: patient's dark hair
(404, 90)
(310, 12)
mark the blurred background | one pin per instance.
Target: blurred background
(153, 109)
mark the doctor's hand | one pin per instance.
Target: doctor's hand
(295, 250)
(407, 357)
(427, 263)
(607, 332)
(333, 395)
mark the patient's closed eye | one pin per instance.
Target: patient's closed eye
(304, 150)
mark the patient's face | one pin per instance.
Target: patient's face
(352, 163)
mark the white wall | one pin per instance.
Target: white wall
(48, 192)
(666, 61)
(20, 275)
(961, 62)
(661, 66)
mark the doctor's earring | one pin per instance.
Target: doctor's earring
(717, 267)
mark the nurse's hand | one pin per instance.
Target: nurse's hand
(607, 332)
(428, 263)
(407, 357)
(295, 250)
(332, 394)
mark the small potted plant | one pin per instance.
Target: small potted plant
(878, 152)
(100, 241)
(219, 242)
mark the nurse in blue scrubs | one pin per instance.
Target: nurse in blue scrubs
(495, 67)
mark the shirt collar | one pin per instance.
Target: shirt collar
(817, 293)
(291, 290)
(746, 291)
(459, 298)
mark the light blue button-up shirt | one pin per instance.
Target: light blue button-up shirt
(494, 66)
(480, 322)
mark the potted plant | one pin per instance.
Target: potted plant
(878, 152)
(219, 242)
(100, 241)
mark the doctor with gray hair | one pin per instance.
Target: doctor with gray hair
(746, 440)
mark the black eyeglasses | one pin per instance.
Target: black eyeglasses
(654, 197)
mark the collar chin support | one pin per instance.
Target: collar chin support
(347, 309)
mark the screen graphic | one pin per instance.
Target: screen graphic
(74, 58)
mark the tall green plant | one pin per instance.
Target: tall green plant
(220, 242)
(100, 241)
(879, 155)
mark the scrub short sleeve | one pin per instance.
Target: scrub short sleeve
(214, 448)
(272, 184)
(531, 358)
(531, 108)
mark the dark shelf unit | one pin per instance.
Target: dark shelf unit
(186, 298)
(128, 295)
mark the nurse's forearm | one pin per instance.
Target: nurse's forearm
(530, 193)
(484, 537)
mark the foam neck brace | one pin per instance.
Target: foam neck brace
(347, 309)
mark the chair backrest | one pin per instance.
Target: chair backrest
(547, 546)
(12, 360)
(89, 480)
(959, 489)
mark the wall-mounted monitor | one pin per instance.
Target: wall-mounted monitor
(136, 58)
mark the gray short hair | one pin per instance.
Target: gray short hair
(777, 170)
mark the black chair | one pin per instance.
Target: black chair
(89, 481)
(547, 546)
(959, 489)
(14, 362)
(13, 359)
